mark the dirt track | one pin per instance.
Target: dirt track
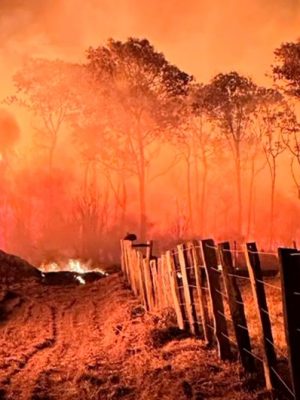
(96, 342)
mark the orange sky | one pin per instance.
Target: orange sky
(203, 37)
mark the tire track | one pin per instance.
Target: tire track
(19, 380)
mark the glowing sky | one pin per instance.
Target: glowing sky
(201, 36)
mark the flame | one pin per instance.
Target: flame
(72, 265)
(1, 157)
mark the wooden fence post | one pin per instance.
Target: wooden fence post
(142, 286)
(159, 283)
(149, 249)
(236, 307)
(148, 283)
(289, 264)
(213, 279)
(201, 290)
(256, 279)
(188, 295)
(175, 290)
(164, 277)
(124, 260)
(153, 270)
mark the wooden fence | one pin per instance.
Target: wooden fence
(199, 281)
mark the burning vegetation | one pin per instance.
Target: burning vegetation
(103, 137)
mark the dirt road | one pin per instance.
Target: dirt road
(95, 342)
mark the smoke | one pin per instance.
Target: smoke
(9, 130)
(203, 37)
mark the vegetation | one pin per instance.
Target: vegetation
(111, 137)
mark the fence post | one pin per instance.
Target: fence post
(199, 272)
(148, 283)
(126, 245)
(256, 279)
(153, 270)
(174, 289)
(213, 279)
(159, 283)
(164, 275)
(142, 279)
(188, 296)
(289, 264)
(236, 307)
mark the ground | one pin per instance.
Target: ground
(95, 341)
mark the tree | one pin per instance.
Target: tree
(276, 119)
(287, 72)
(48, 89)
(205, 142)
(231, 101)
(143, 87)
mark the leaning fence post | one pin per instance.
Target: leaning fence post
(148, 283)
(188, 296)
(236, 307)
(141, 276)
(257, 284)
(289, 264)
(175, 290)
(213, 279)
(199, 272)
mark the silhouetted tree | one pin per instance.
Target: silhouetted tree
(231, 99)
(144, 86)
(287, 72)
(48, 89)
(275, 119)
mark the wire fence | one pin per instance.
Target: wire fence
(209, 294)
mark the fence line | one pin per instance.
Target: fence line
(199, 281)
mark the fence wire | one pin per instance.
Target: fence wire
(190, 265)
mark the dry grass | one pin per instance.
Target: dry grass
(96, 342)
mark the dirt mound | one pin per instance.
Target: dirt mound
(13, 268)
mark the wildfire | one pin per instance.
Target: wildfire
(73, 265)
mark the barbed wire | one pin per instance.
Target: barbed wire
(263, 253)
(268, 284)
(283, 382)
(276, 349)
(228, 338)
(239, 276)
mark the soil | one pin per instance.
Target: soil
(95, 341)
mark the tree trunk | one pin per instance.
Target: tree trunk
(239, 187)
(273, 183)
(250, 202)
(189, 194)
(197, 187)
(142, 199)
(142, 183)
(52, 151)
(203, 193)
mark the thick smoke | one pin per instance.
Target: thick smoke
(202, 38)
